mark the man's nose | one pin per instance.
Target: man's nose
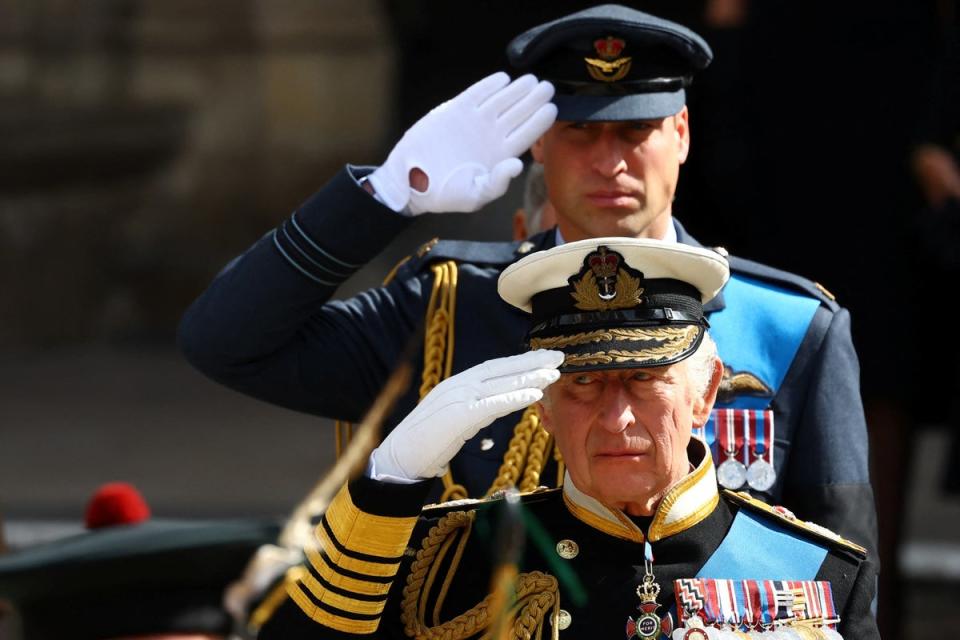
(608, 157)
(618, 413)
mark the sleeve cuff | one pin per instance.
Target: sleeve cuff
(360, 541)
(337, 230)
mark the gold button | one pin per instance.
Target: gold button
(563, 619)
(568, 549)
(525, 247)
(486, 444)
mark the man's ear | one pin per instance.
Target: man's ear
(520, 224)
(546, 418)
(537, 150)
(702, 406)
(681, 123)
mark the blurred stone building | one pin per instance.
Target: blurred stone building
(143, 144)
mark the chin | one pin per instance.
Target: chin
(624, 488)
(621, 223)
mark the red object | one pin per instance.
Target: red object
(116, 503)
(609, 48)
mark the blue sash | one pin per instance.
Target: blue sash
(759, 331)
(757, 549)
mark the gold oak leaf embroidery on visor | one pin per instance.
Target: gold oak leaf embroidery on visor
(682, 339)
(670, 334)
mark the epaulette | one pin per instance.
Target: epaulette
(495, 254)
(785, 517)
(470, 504)
(784, 279)
(485, 253)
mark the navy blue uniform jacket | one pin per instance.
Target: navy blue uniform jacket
(375, 569)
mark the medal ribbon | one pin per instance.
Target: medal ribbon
(741, 429)
(768, 602)
(736, 603)
(812, 598)
(783, 600)
(754, 604)
(762, 443)
(750, 594)
(734, 429)
(796, 606)
(691, 598)
(711, 607)
(828, 610)
(730, 442)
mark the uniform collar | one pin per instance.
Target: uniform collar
(717, 303)
(671, 236)
(686, 503)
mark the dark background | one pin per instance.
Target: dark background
(144, 144)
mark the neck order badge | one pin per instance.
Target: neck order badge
(648, 624)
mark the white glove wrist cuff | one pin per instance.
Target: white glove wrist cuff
(387, 190)
(386, 475)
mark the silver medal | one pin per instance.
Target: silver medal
(761, 475)
(732, 474)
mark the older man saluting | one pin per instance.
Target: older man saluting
(638, 541)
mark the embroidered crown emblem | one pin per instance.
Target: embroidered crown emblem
(608, 66)
(606, 282)
(604, 266)
(609, 48)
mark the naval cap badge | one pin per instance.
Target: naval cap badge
(606, 282)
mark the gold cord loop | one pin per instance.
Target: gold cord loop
(529, 448)
(537, 593)
(438, 346)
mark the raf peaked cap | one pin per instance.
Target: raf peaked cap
(612, 63)
(616, 303)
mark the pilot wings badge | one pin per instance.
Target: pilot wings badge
(735, 383)
(609, 66)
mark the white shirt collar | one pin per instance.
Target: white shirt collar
(670, 236)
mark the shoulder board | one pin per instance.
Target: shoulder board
(784, 279)
(495, 254)
(785, 517)
(471, 504)
(486, 253)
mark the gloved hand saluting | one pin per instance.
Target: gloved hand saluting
(423, 444)
(468, 147)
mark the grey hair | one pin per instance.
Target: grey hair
(534, 196)
(700, 364)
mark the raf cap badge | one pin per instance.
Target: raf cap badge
(609, 67)
(606, 282)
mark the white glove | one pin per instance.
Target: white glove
(424, 443)
(469, 146)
